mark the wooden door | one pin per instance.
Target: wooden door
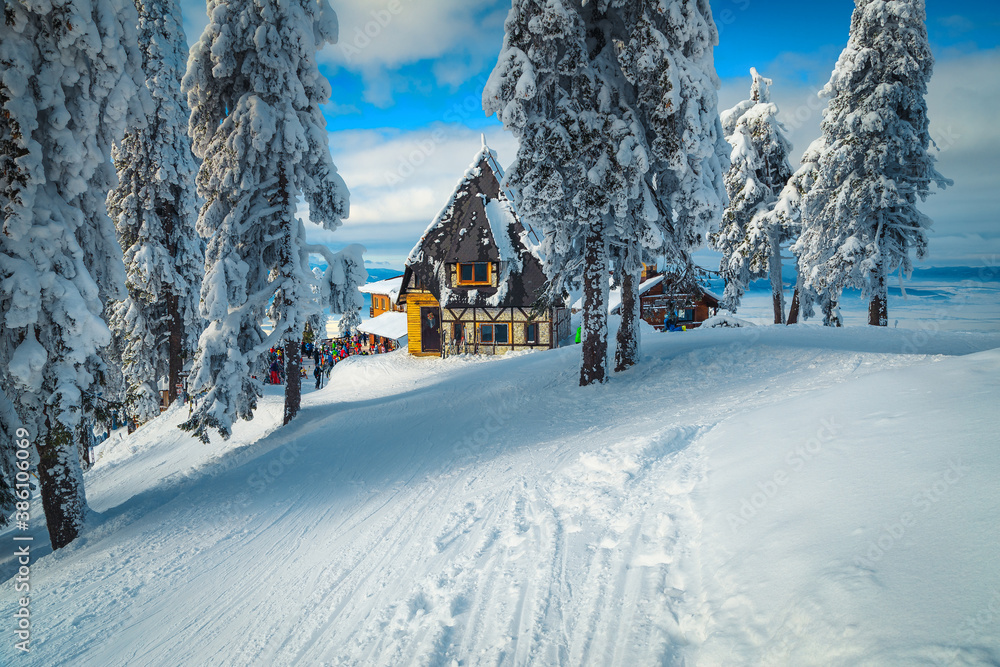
(430, 329)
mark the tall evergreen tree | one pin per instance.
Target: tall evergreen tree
(580, 169)
(254, 91)
(666, 54)
(860, 220)
(631, 208)
(156, 327)
(541, 89)
(749, 240)
(71, 74)
(787, 215)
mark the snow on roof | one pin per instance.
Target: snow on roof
(389, 286)
(488, 155)
(500, 217)
(386, 325)
(615, 295)
(491, 157)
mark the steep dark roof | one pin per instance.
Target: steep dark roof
(479, 224)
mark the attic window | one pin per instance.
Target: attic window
(476, 273)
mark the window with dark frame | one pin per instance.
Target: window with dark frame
(458, 333)
(531, 332)
(475, 273)
(501, 333)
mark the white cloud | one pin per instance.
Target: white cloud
(408, 176)
(399, 182)
(397, 32)
(378, 37)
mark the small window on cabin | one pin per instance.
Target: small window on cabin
(486, 333)
(475, 273)
(500, 333)
(458, 334)
(531, 332)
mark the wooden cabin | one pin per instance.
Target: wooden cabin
(386, 325)
(384, 295)
(472, 281)
(661, 294)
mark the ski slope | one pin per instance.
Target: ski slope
(490, 512)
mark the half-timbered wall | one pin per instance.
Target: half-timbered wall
(516, 319)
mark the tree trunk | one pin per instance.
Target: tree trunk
(878, 306)
(83, 447)
(167, 212)
(793, 310)
(293, 380)
(831, 316)
(60, 481)
(777, 289)
(627, 351)
(175, 364)
(595, 308)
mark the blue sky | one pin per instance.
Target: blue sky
(407, 78)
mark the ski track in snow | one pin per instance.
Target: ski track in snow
(419, 512)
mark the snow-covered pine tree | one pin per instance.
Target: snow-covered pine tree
(750, 244)
(338, 285)
(71, 74)
(579, 171)
(631, 206)
(787, 214)
(860, 219)
(254, 91)
(156, 327)
(541, 77)
(666, 54)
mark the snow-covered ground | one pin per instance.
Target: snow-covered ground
(770, 495)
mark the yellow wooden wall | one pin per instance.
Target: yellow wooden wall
(414, 302)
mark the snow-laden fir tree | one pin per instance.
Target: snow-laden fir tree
(538, 89)
(254, 90)
(582, 159)
(156, 327)
(749, 240)
(666, 53)
(71, 74)
(631, 208)
(860, 220)
(787, 214)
